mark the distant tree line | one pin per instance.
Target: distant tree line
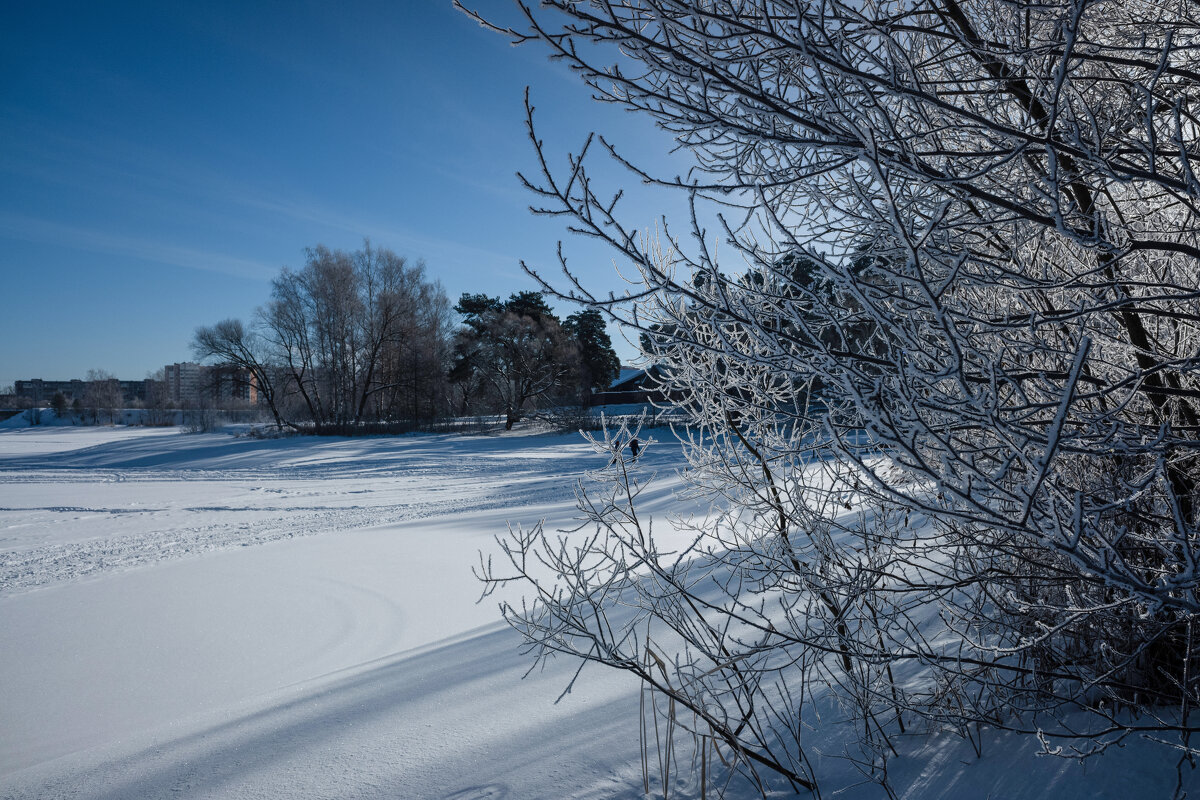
(353, 339)
(98, 399)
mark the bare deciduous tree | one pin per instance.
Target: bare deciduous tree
(159, 407)
(229, 342)
(335, 323)
(350, 337)
(102, 396)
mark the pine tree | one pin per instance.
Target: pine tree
(59, 404)
(600, 365)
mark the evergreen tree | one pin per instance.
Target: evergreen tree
(475, 307)
(512, 356)
(59, 404)
(599, 362)
(530, 304)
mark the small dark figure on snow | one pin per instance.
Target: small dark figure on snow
(616, 448)
(634, 447)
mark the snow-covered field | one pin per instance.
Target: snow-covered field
(211, 616)
(240, 618)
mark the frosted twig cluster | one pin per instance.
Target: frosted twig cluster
(945, 378)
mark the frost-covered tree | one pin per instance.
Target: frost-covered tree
(994, 359)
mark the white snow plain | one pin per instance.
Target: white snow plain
(205, 616)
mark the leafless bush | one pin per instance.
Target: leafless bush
(568, 418)
(202, 420)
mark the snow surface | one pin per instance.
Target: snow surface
(211, 616)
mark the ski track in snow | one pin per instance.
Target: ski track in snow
(277, 502)
(149, 647)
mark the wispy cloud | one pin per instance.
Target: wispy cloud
(403, 238)
(32, 229)
(193, 190)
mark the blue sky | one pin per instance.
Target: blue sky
(160, 162)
